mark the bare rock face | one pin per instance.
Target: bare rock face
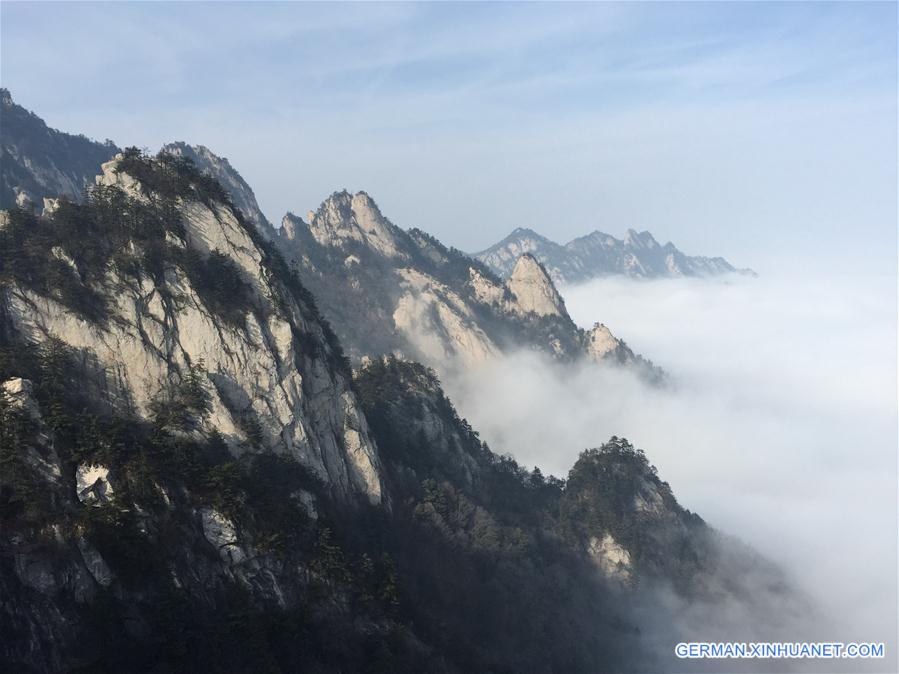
(92, 484)
(534, 290)
(18, 393)
(220, 169)
(272, 366)
(222, 535)
(611, 558)
(503, 256)
(602, 345)
(345, 217)
(439, 323)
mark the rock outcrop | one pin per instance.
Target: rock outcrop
(220, 168)
(267, 365)
(345, 219)
(533, 289)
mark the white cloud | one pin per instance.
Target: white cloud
(781, 430)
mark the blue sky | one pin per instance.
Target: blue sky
(764, 132)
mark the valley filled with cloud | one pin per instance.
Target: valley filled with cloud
(778, 425)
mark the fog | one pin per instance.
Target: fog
(780, 426)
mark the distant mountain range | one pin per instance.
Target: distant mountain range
(599, 254)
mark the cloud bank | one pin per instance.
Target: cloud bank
(781, 428)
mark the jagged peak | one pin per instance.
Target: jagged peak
(344, 199)
(221, 169)
(365, 207)
(181, 147)
(519, 234)
(293, 227)
(643, 239)
(290, 216)
(346, 216)
(592, 236)
(533, 288)
(525, 231)
(528, 264)
(601, 343)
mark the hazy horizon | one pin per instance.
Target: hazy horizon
(764, 133)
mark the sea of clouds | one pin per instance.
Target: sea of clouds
(779, 426)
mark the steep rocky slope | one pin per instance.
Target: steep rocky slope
(156, 278)
(37, 161)
(387, 290)
(220, 168)
(599, 254)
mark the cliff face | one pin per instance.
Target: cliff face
(37, 161)
(534, 290)
(227, 176)
(181, 281)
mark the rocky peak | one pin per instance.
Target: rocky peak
(345, 217)
(220, 169)
(525, 232)
(290, 223)
(534, 290)
(601, 343)
(19, 393)
(501, 258)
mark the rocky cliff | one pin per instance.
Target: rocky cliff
(387, 290)
(598, 254)
(156, 277)
(227, 176)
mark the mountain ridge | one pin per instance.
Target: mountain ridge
(37, 161)
(389, 290)
(596, 254)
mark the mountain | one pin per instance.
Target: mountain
(598, 254)
(37, 161)
(384, 290)
(387, 290)
(193, 477)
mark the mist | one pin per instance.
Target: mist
(779, 426)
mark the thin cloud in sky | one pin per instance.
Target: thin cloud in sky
(763, 132)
